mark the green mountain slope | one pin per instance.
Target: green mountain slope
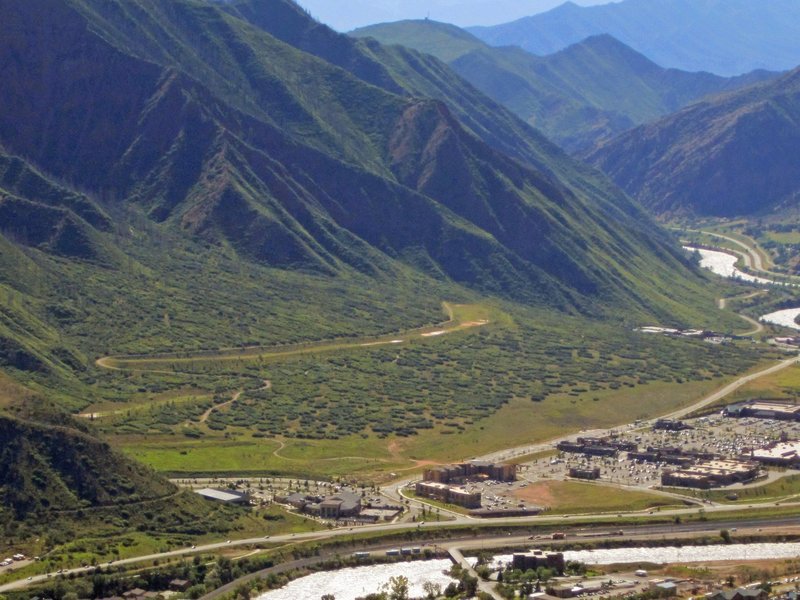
(584, 94)
(726, 37)
(231, 160)
(732, 155)
(46, 468)
(176, 178)
(58, 481)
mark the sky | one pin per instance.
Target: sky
(345, 15)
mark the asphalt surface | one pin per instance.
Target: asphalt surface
(393, 491)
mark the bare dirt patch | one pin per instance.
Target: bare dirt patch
(540, 494)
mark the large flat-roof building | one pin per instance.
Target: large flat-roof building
(780, 410)
(225, 496)
(461, 472)
(449, 494)
(712, 473)
(778, 454)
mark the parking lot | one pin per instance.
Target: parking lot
(730, 438)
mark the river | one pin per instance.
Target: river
(724, 264)
(685, 554)
(784, 318)
(349, 584)
(352, 583)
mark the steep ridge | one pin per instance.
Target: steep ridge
(45, 468)
(727, 37)
(51, 466)
(175, 178)
(422, 75)
(728, 156)
(586, 93)
(313, 171)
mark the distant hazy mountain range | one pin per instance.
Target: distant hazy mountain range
(584, 94)
(729, 156)
(345, 15)
(726, 37)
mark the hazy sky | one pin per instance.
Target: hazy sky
(345, 15)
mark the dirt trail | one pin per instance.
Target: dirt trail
(757, 327)
(267, 386)
(723, 302)
(156, 362)
(207, 414)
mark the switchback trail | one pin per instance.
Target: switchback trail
(461, 318)
(267, 385)
(757, 327)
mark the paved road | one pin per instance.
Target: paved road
(597, 534)
(732, 387)
(492, 539)
(752, 257)
(393, 491)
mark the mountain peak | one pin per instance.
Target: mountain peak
(726, 38)
(730, 155)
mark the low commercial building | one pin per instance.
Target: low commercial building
(713, 473)
(573, 590)
(225, 496)
(500, 513)
(595, 446)
(448, 494)
(764, 409)
(585, 473)
(665, 589)
(671, 455)
(739, 594)
(473, 470)
(671, 425)
(778, 454)
(342, 505)
(530, 561)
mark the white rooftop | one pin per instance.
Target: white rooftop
(222, 495)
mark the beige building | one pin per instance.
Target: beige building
(711, 473)
(449, 494)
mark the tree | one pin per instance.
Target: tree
(328, 597)
(432, 590)
(398, 588)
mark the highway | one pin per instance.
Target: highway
(550, 522)
(394, 491)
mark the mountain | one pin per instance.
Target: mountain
(56, 477)
(181, 175)
(219, 138)
(732, 155)
(358, 13)
(586, 93)
(45, 468)
(726, 37)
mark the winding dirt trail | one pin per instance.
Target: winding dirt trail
(215, 407)
(157, 362)
(757, 326)
(267, 386)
